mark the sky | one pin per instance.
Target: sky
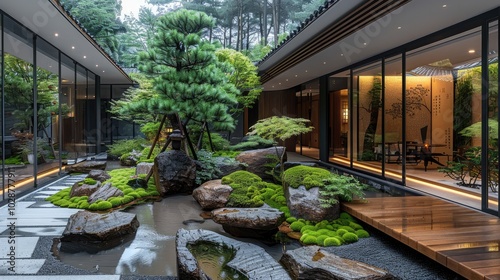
(132, 6)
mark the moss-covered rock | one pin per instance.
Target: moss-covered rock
(241, 178)
(305, 176)
(310, 240)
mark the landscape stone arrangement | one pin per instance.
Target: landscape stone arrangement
(246, 204)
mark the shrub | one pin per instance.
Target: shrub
(208, 169)
(361, 233)
(73, 205)
(219, 143)
(332, 241)
(350, 237)
(306, 176)
(122, 147)
(340, 187)
(296, 226)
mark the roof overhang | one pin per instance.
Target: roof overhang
(320, 49)
(47, 18)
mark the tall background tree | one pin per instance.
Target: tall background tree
(190, 81)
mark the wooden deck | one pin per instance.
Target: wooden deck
(464, 240)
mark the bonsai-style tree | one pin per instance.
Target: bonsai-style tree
(188, 78)
(280, 128)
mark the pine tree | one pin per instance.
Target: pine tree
(190, 81)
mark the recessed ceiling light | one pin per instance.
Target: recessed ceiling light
(324, 62)
(341, 54)
(399, 27)
(472, 51)
(287, 80)
(56, 34)
(84, 56)
(306, 71)
(73, 47)
(279, 83)
(103, 71)
(296, 76)
(444, 6)
(97, 65)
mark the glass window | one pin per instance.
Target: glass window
(393, 121)
(47, 62)
(367, 117)
(308, 108)
(67, 98)
(338, 87)
(493, 83)
(19, 102)
(442, 106)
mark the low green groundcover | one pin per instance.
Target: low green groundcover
(250, 191)
(119, 179)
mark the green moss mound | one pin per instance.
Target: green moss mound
(350, 237)
(331, 241)
(297, 226)
(361, 233)
(307, 227)
(321, 239)
(310, 240)
(241, 178)
(305, 176)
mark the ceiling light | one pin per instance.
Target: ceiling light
(97, 65)
(73, 47)
(56, 34)
(444, 6)
(472, 51)
(324, 62)
(399, 27)
(296, 75)
(341, 54)
(84, 56)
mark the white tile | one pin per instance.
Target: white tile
(23, 247)
(21, 266)
(41, 231)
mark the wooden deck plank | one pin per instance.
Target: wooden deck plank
(464, 240)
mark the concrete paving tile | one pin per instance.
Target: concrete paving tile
(21, 266)
(23, 247)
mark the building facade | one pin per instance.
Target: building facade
(56, 86)
(402, 92)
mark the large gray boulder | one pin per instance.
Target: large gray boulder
(174, 172)
(105, 192)
(143, 168)
(227, 166)
(92, 232)
(305, 204)
(80, 189)
(315, 263)
(258, 161)
(99, 175)
(212, 194)
(86, 166)
(260, 222)
(250, 260)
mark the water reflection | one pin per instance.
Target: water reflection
(152, 252)
(213, 258)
